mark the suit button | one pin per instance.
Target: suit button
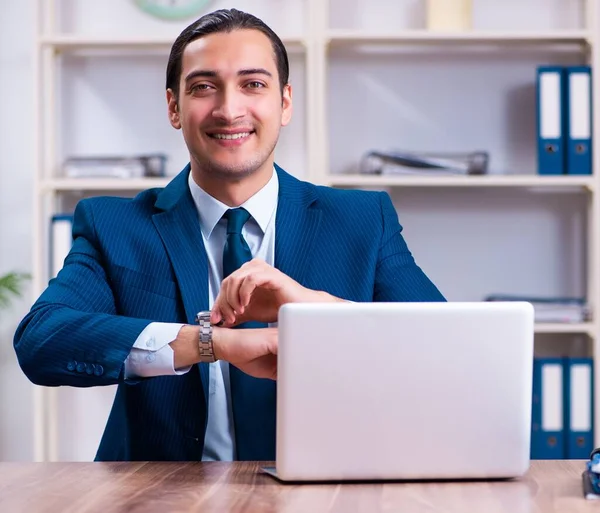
(89, 368)
(81, 367)
(99, 370)
(71, 366)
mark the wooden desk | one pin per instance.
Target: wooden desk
(550, 486)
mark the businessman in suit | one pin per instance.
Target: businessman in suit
(173, 295)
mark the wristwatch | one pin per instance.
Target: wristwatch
(205, 342)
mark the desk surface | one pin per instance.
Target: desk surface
(241, 488)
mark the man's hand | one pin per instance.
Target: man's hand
(253, 351)
(256, 291)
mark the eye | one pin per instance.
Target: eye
(200, 88)
(255, 84)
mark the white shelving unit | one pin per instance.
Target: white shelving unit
(427, 37)
(64, 43)
(556, 328)
(526, 181)
(315, 48)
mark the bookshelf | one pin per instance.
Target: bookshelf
(575, 37)
(525, 181)
(70, 43)
(575, 328)
(551, 182)
(101, 184)
(324, 52)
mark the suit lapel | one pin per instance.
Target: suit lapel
(179, 229)
(296, 226)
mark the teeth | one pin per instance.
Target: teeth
(231, 136)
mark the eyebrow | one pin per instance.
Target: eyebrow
(206, 73)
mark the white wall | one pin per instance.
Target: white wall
(16, 179)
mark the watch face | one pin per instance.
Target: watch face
(172, 9)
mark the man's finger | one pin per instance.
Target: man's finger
(227, 311)
(215, 315)
(266, 279)
(246, 289)
(232, 293)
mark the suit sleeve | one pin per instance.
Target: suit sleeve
(398, 277)
(72, 335)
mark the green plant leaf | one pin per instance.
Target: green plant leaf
(10, 285)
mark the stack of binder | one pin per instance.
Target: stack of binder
(400, 162)
(562, 408)
(139, 166)
(552, 309)
(564, 120)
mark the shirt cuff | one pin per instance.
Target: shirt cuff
(151, 354)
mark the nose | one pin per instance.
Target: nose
(230, 105)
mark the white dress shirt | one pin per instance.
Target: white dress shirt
(152, 355)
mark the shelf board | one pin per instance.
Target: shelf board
(586, 328)
(460, 181)
(103, 184)
(73, 42)
(557, 182)
(467, 37)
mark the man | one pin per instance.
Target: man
(232, 231)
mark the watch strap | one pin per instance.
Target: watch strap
(205, 342)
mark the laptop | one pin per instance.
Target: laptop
(404, 391)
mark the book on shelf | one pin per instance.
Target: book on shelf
(551, 309)
(449, 15)
(422, 163)
(140, 166)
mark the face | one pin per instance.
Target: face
(230, 106)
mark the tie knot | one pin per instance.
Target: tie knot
(236, 218)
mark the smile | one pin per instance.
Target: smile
(240, 135)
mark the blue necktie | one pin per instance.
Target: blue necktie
(236, 251)
(253, 400)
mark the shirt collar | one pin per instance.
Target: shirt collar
(260, 206)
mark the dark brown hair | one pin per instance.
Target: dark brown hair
(224, 20)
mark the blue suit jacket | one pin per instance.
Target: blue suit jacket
(140, 260)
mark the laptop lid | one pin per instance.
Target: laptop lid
(404, 390)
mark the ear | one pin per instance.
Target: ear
(286, 113)
(173, 109)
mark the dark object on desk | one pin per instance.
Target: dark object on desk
(590, 485)
(591, 477)
(402, 163)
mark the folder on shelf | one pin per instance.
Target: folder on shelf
(547, 427)
(551, 120)
(551, 309)
(579, 426)
(579, 126)
(400, 162)
(118, 166)
(61, 240)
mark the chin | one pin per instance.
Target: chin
(231, 170)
